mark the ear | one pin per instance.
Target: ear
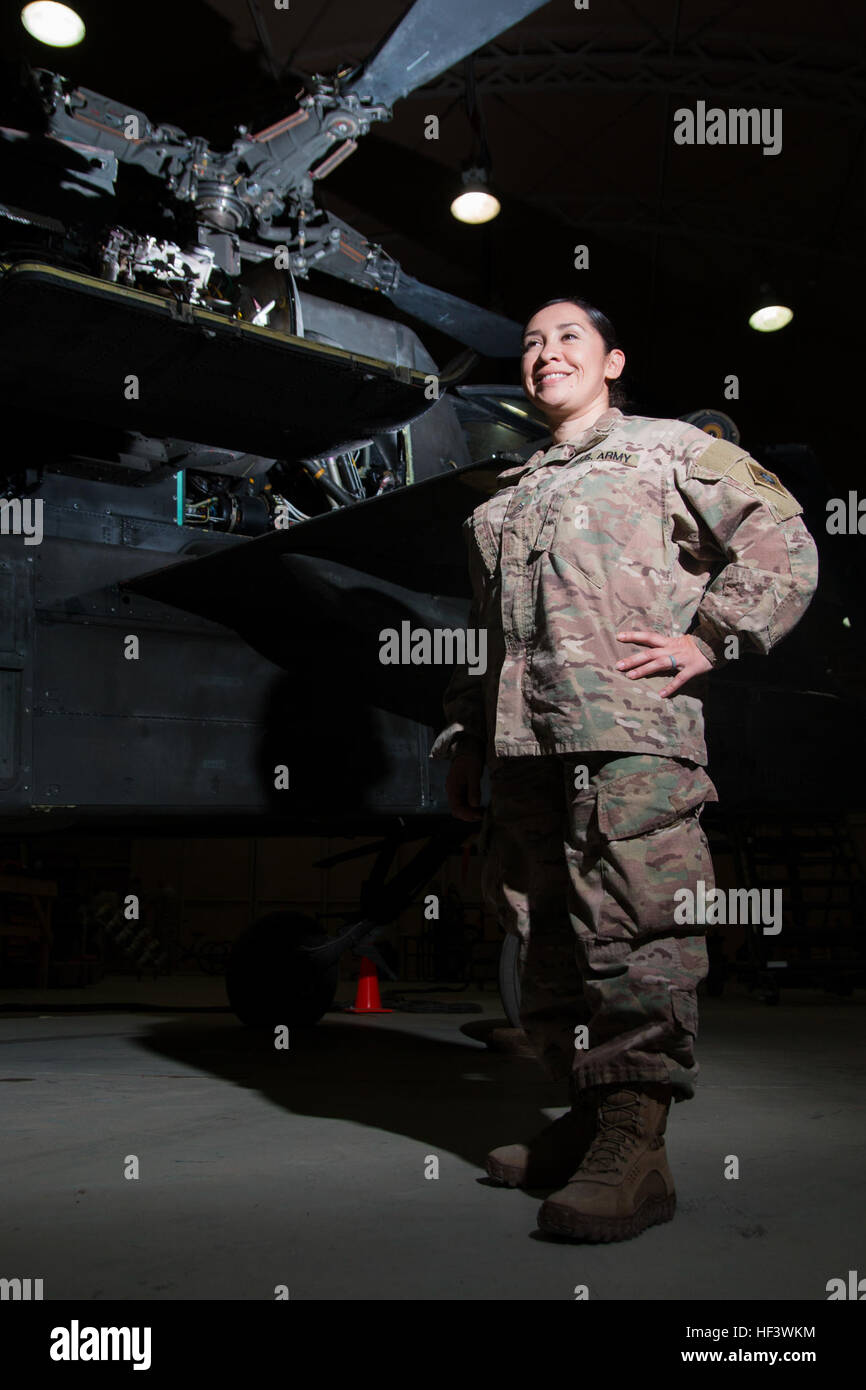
(615, 363)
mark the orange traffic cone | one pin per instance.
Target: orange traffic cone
(367, 999)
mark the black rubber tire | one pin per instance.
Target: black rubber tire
(270, 981)
(509, 979)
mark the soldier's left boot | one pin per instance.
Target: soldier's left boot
(623, 1183)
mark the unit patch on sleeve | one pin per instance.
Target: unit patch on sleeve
(726, 460)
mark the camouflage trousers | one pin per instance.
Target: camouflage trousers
(582, 854)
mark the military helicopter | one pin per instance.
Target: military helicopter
(191, 396)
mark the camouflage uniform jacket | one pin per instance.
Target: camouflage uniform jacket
(635, 523)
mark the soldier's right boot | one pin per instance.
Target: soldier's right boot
(552, 1156)
(624, 1183)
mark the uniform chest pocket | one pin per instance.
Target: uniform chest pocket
(588, 533)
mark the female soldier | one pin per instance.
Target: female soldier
(610, 570)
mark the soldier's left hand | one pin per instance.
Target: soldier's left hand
(690, 660)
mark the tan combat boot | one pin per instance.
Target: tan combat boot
(552, 1156)
(624, 1183)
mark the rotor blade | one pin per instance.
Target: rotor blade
(352, 258)
(432, 37)
(485, 332)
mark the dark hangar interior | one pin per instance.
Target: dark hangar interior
(228, 473)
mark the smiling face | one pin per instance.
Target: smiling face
(566, 365)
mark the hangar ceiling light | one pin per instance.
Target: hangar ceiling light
(770, 318)
(54, 24)
(475, 204)
(771, 313)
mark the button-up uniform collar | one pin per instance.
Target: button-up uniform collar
(572, 448)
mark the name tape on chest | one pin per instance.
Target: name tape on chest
(611, 456)
(565, 453)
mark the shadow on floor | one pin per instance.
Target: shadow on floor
(452, 1096)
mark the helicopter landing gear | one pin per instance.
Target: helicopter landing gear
(284, 969)
(509, 979)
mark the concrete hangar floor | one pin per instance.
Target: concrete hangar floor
(306, 1167)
